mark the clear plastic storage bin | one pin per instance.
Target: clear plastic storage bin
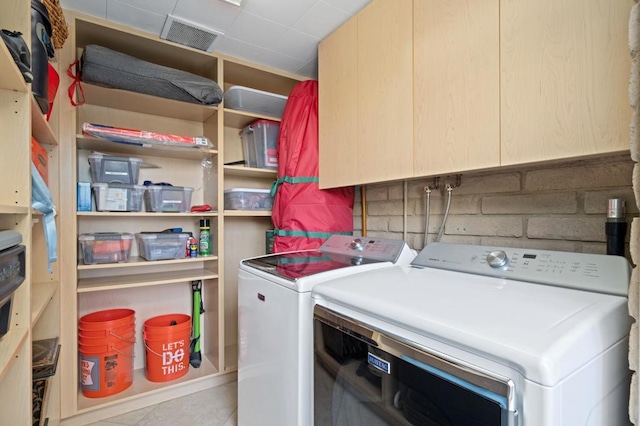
(114, 169)
(105, 247)
(161, 198)
(248, 199)
(113, 197)
(260, 144)
(162, 246)
(253, 100)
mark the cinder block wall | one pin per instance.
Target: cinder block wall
(554, 207)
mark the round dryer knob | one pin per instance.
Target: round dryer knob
(356, 245)
(497, 259)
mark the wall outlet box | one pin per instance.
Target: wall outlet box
(84, 197)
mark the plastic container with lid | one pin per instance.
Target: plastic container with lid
(260, 144)
(248, 199)
(12, 274)
(113, 197)
(162, 246)
(114, 169)
(162, 198)
(105, 247)
(253, 100)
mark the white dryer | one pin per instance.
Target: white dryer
(475, 336)
(275, 360)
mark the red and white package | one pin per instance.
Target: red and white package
(144, 137)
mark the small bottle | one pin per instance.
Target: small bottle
(192, 248)
(205, 238)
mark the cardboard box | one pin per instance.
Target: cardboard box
(40, 159)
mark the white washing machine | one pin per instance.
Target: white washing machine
(275, 360)
(475, 336)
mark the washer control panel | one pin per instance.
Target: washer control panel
(381, 249)
(592, 272)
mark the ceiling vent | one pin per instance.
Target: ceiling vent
(189, 34)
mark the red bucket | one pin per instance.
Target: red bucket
(105, 369)
(166, 341)
(108, 320)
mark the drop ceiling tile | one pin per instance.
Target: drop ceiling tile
(255, 30)
(94, 7)
(285, 12)
(321, 20)
(134, 17)
(298, 45)
(310, 69)
(349, 6)
(157, 6)
(213, 14)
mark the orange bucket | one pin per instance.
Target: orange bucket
(128, 336)
(108, 320)
(166, 340)
(105, 369)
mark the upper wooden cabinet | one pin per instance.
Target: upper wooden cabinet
(564, 69)
(456, 85)
(366, 97)
(495, 83)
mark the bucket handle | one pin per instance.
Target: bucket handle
(151, 350)
(122, 353)
(121, 338)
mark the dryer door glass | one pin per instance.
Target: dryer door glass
(364, 378)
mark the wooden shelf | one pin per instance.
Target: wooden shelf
(147, 214)
(146, 104)
(13, 209)
(250, 172)
(41, 295)
(142, 386)
(10, 77)
(240, 119)
(140, 262)
(94, 144)
(40, 128)
(247, 213)
(10, 345)
(88, 285)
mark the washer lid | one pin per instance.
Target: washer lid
(295, 265)
(546, 332)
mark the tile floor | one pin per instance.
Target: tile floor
(211, 407)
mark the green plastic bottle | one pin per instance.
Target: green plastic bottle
(205, 238)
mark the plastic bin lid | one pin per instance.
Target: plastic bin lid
(175, 188)
(264, 121)
(105, 236)
(117, 185)
(100, 156)
(262, 191)
(234, 89)
(161, 235)
(9, 238)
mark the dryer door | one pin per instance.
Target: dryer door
(363, 377)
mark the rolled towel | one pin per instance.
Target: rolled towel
(633, 347)
(634, 136)
(633, 399)
(634, 246)
(634, 293)
(634, 30)
(634, 82)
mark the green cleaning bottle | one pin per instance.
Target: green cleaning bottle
(205, 238)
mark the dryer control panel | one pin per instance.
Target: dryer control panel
(583, 271)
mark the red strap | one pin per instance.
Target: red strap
(76, 82)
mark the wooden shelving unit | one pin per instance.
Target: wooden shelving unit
(152, 288)
(35, 304)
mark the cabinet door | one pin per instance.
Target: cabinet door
(338, 105)
(564, 75)
(456, 85)
(385, 91)
(366, 97)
